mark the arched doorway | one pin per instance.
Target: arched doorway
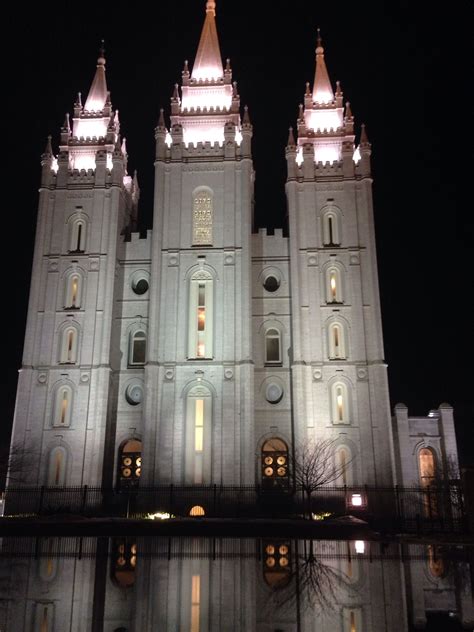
(274, 464)
(130, 464)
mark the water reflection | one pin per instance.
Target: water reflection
(129, 584)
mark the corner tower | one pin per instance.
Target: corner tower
(199, 375)
(339, 376)
(63, 390)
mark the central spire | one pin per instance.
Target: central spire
(322, 90)
(208, 63)
(98, 92)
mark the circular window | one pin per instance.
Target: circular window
(271, 283)
(140, 285)
(134, 394)
(274, 393)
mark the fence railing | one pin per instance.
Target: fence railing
(409, 509)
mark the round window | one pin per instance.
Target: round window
(274, 393)
(134, 394)
(140, 285)
(271, 283)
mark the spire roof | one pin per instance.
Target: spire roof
(97, 97)
(208, 62)
(322, 90)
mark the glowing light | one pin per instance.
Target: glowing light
(356, 155)
(83, 161)
(299, 157)
(54, 165)
(197, 510)
(359, 546)
(238, 137)
(356, 500)
(321, 516)
(327, 152)
(206, 97)
(323, 96)
(195, 132)
(90, 128)
(330, 119)
(109, 161)
(159, 515)
(200, 350)
(168, 139)
(207, 73)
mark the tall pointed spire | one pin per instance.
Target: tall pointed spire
(322, 90)
(208, 62)
(97, 97)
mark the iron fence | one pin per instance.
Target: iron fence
(404, 509)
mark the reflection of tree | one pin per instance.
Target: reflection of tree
(315, 466)
(312, 584)
(15, 464)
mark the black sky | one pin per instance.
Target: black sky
(389, 60)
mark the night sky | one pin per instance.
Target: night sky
(391, 66)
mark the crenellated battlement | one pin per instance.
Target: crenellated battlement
(138, 248)
(265, 244)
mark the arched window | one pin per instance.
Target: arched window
(343, 460)
(276, 558)
(68, 353)
(130, 464)
(44, 616)
(436, 561)
(57, 466)
(198, 436)
(275, 470)
(137, 351)
(331, 229)
(336, 341)
(334, 285)
(197, 510)
(200, 343)
(427, 469)
(202, 218)
(78, 235)
(340, 403)
(124, 561)
(73, 291)
(272, 346)
(63, 407)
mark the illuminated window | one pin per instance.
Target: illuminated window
(73, 292)
(272, 346)
(331, 229)
(333, 285)
(276, 558)
(78, 236)
(44, 616)
(427, 468)
(195, 602)
(124, 561)
(57, 466)
(337, 344)
(202, 218)
(68, 353)
(48, 561)
(130, 464)
(137, 353)
(275, 471)
(200, 316)
(352, 620)
(62, 408)
(197, 510)
(436, 561)
(340, 403)
(198, 436)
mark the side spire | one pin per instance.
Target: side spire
(322, 89)
(97, 97)
(208, 62)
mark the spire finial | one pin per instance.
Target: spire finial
(319, 41)
(227, 64)
(291, 139)
(49, 148)
(322, 90)
(186, 68)
(161, 119)
(211, 7)
(307, 93)
(246, 119)
(300, 112)
(175, 92)
(101, 59)
(364, 139)
(348, 112)
(338, 89)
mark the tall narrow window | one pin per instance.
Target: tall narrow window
(333, 286)
(43, 617)
(340, 404)
(78, 236)
(69, 346)
(331, 232)
(427, 468)
(48, 561)
(352, 620)
(195, 602)
(62, 408)
(137, 352)
(198, 436)
(130, 464)
(57, 466)
(200, 343)
(272, 346)
(344, 466)
(337, 346)
(202, 218)
(73, 292)
(436, 561)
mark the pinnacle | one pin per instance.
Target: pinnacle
(291, 139)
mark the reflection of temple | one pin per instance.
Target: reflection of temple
(198, 585)
(205, 352)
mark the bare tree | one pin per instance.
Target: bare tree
(315, 466)
(15, 460)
